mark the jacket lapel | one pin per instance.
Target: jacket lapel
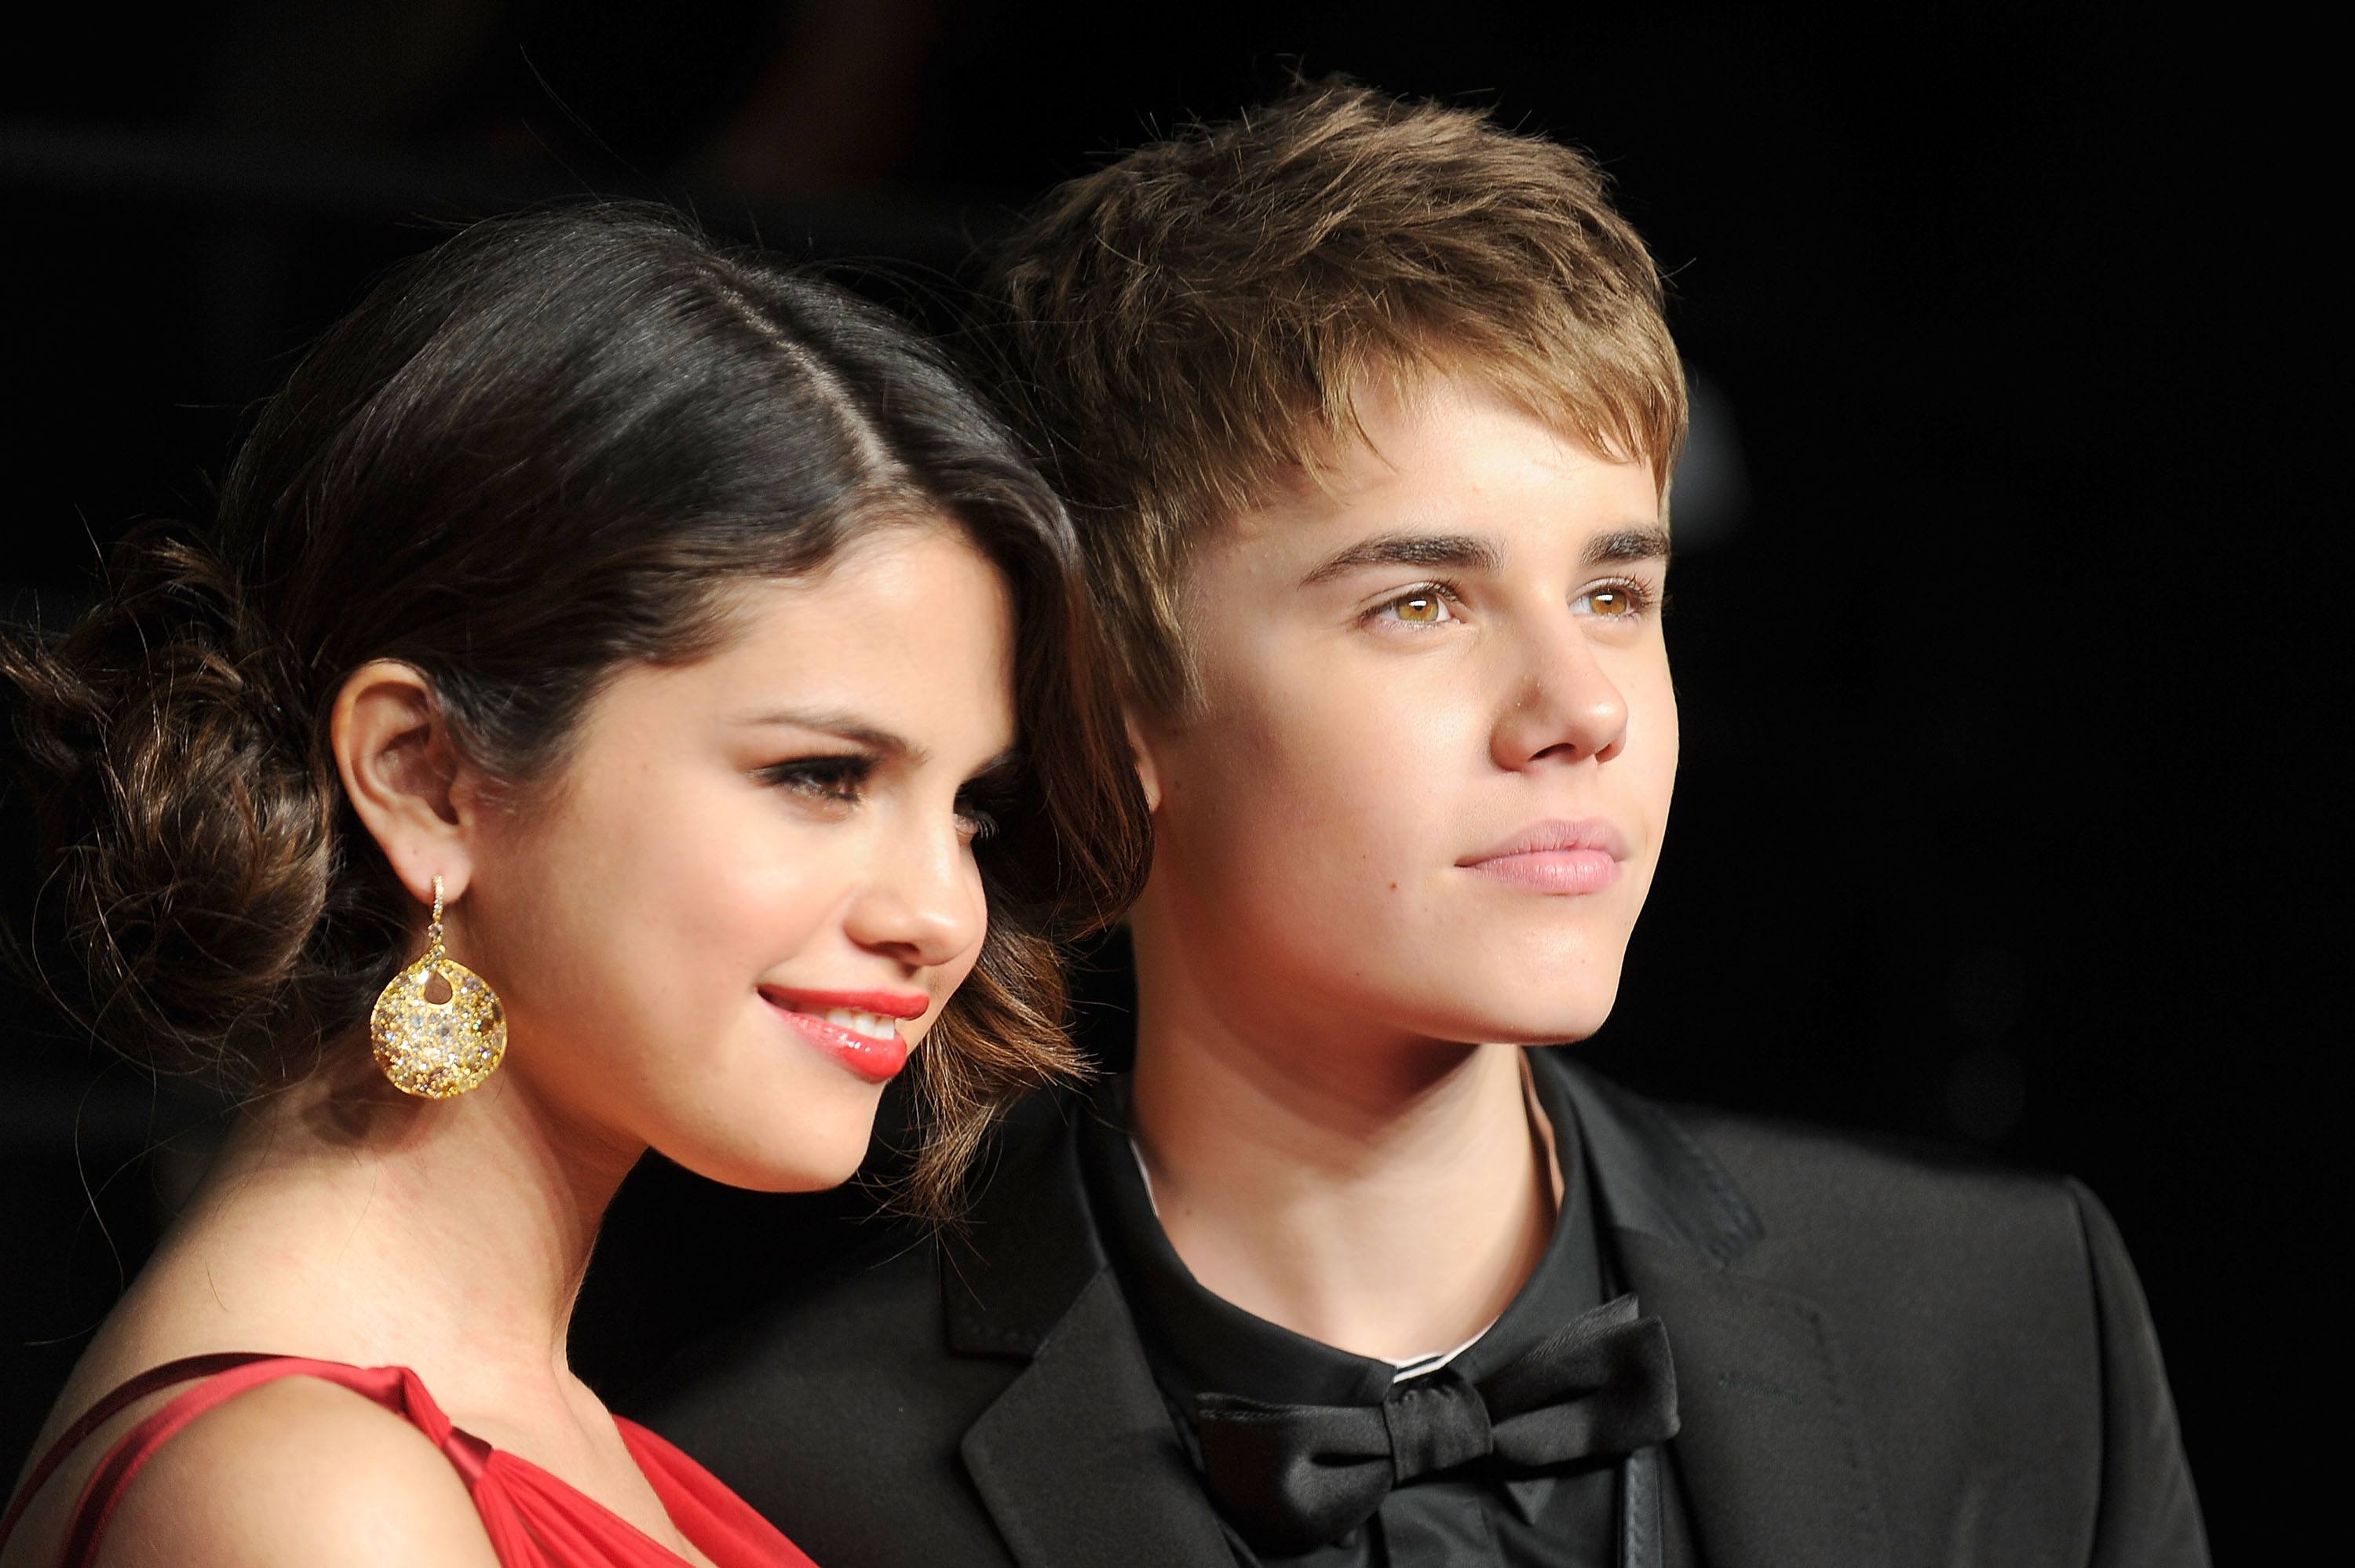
(1774, 1467)
(1077, 1461)
(1772, 1463)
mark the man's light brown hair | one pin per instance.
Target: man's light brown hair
(1188, 331)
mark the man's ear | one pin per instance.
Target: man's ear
(1140, 752)
(399, 768)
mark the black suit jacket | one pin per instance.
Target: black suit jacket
(1882, 1359)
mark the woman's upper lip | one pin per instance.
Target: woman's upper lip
(887, 1003)
(1538, 838)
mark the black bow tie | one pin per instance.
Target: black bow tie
(1290, 1477)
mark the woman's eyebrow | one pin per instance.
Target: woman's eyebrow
(1465, 552)
(842, 726)
(1000, 771)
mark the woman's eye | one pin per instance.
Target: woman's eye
(839, 780)
(1613, 601)
(982, 805)
(1423, 607)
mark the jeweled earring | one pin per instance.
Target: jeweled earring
(437, 1048)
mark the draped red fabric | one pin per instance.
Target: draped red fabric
(534, 1520)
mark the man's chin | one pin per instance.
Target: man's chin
(1551, 1025)
(1557, 1020)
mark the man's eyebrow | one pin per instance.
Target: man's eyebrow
(843, 727)
(1644, 542)
(1462, 551)
(1466, 552)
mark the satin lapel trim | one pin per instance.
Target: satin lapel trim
(1774, 1468)
(1650, 1175)
(1077, 1461)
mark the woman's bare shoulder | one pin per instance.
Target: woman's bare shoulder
(298, 1471)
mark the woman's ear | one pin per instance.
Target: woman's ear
(1140, 752)
(393, 748)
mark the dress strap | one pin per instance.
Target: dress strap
(225, 1376)
(185, 1370)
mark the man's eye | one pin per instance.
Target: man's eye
(1613, 602)
(1423, 607)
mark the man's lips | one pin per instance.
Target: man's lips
(1555, 856)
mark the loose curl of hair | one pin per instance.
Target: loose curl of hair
(530, 457)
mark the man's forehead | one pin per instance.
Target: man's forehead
(1379, 513)
(1389, 426)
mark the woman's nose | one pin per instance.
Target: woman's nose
(925, 905)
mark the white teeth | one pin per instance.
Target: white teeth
(874, 1025)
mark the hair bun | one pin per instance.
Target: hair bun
(185, 819)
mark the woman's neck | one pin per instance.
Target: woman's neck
(1387, 1201)
(347, 1221)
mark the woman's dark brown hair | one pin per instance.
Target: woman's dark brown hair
(529, 457)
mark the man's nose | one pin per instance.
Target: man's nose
(1563, 705)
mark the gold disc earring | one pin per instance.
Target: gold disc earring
(437, 1048)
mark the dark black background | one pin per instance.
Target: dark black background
(2006, 706)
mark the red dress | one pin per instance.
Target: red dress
(534, 1520)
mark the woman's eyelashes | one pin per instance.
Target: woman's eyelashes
(836, 779)
(840, 782)
(984, 804)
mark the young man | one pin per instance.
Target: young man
(1368, 410)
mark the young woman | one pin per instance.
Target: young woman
(638, 699)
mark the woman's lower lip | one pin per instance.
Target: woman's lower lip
(1553, 871)
(877, 1061)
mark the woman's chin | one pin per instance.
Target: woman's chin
(811, 1165)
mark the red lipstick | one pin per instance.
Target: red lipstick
(889, 1003)
(1581, 856)
(876, 1058)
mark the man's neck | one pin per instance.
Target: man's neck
(1386, 1202)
